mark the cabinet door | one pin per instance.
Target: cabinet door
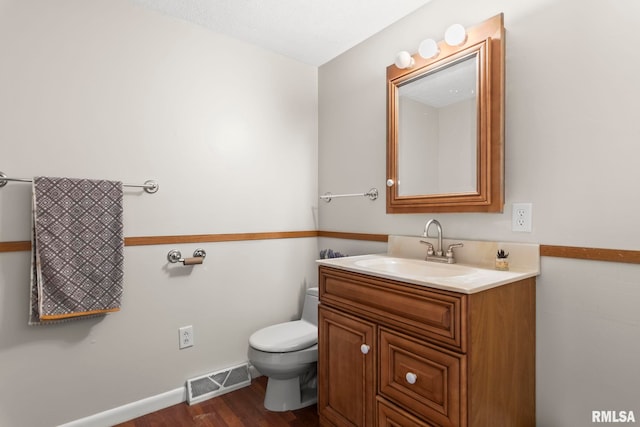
(346, 366)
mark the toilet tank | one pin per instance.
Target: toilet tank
(310, 308)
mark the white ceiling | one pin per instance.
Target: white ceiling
(310, 31)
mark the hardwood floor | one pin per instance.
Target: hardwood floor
(240, 408)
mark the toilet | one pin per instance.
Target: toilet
(287, 354)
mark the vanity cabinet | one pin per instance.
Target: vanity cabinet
(397, 354)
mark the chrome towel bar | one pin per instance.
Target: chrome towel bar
(149, 186)
(372, 194)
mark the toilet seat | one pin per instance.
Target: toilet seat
(285, 337)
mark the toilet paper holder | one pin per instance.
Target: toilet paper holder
(174, 256)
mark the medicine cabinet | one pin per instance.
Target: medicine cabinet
(445, 127)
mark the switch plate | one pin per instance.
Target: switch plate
(521, 217)
(185, 337)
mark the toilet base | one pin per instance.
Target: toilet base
(287, 395)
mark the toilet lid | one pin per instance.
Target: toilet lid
(285, 337)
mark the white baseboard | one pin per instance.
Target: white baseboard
(131, 410)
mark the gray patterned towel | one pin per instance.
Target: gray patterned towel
(77, 249)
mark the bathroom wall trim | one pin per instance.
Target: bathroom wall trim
(557, 251)
(213, 238)
(188, 238)
(354, 236)
(15, 246)
(592, 254)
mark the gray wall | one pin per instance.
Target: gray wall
(106, 89)
(572, 150)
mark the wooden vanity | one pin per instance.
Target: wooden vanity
(393, 353)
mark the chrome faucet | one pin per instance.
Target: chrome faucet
(438, 251)
(437, 254)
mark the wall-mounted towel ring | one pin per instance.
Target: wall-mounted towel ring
(174, 256)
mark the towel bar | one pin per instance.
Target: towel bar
(372, 194)
(149, 186)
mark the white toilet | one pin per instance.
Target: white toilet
(287, 353)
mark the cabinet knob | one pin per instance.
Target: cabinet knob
(390, 182)
(411, 377)
(364, 348)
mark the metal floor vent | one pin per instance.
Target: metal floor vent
(217, 383)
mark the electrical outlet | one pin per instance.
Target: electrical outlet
(185, 335)
(521, 217)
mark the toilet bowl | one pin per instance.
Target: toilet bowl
(287, 354)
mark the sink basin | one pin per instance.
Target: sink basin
(414, 267)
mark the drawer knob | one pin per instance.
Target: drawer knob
(364, 348)
(411, 377)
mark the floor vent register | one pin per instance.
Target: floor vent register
(217, 383)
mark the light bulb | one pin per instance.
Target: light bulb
(404, 60)
(428, 49)
(455, 35)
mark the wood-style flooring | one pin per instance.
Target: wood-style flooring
(240, 408)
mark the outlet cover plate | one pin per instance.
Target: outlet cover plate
(185, 335)
(521, 217)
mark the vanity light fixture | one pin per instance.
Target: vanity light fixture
(404, 60)
(428, 49)
(455, 35)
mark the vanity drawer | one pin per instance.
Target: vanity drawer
(417, 310)
(424, 379)
(390, 415)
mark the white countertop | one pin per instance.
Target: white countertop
(473, 274)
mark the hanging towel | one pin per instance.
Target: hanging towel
(77, 249)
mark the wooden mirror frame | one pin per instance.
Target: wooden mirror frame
(487, 40)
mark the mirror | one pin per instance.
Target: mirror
(445, 127)
(437, 125)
